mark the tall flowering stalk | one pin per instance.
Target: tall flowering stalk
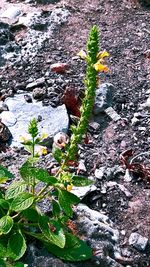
(94, 61)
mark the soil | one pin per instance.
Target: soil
(124, 33)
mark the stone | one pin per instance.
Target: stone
(95, 126)
(39, 93)
(11, 13)
(125, 190)
(127, 176)
(17, 119)
(83, 191)
(138, 241)
(146, 105)
(5, 134)
(103, 98)
(8, 118)
(112, 114)
(28, 98)
(5, 34)
(36, 83)
(3, 107)
(99, 173)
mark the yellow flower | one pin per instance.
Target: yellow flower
(100, 67)
(25, 138)
(69, 187)
(82, 54)
(41, 150)
(43, 136)
(102, 54)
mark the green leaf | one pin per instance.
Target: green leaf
(5, 174)
(38, 236)
(2, 263)
(55, 208)
(74, 250)
(66, 199)
(22, 202)
(31, 214)
(16, 246)
(20, 264)
(52, 231)
(3, 246)
(15, 189)
(81, 181)
(4, 204)
(28, 143)
(6, 223)
(27, 172)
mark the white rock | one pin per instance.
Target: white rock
(134, 121)
(83, 191)
(11, 13)
(8, 118)
(127, 177)
(138, 241)
(99, 173)
(53, 119)
(112, 114)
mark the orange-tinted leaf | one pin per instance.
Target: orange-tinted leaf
(72, 101)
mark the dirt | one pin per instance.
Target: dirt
(124, 33)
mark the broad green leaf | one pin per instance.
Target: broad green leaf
(31, 214)
(38, 236)
(52, 231)
(81, 181)
(22, 202)
(66, 199)
(55, 208)
(4, 204)
(2, 263)
(27, 172)
(74, 250)
(15, 189)
(5, 174)
(3, 246)
(16, 246)
(6, 223)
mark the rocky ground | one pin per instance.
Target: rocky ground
(36, 34)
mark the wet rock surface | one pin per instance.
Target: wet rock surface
(38, 34)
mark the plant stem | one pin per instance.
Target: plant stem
(88, 101)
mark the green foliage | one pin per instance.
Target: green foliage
(74, 250)
(20, 215)
(33, 129)
(5, 174)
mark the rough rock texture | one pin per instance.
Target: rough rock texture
(20, 113)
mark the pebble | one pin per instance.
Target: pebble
(3, 107)
(36, 83)
(112, 114)
(99, 173)
(142, 128)
(39, 93)
(127, 176)
(138, 241)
